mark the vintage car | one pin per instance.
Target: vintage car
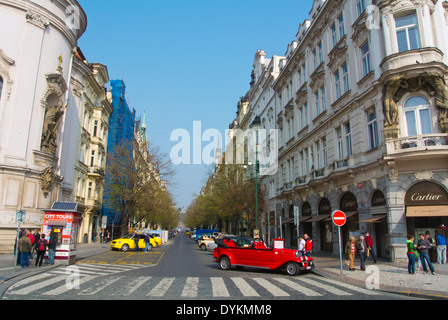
(127, 242)
(236, 251)
(206, 242)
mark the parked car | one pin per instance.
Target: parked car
(157, 238)
(127, 242)
(236, 251)
(207, 242)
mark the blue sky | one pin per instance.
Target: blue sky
(186, 60)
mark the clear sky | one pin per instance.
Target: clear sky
(187, 60)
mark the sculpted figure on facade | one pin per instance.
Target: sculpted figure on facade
(49, 133)
(46, 180)
(441, 94)
(390, 100)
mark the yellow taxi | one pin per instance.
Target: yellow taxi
(127, 242)
(157, 238)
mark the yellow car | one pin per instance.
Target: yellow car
(127, 242)
(157, 238)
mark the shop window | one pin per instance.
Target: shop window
(417, 116)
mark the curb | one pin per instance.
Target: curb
(409, 292)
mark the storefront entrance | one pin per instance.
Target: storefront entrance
(426, 210)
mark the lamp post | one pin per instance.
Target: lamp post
(256, 124)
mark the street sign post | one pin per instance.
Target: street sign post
(296, 222)
(339, 219)
(20, 217)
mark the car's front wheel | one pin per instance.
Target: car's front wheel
(203, 247)
(224, 263)
(292, 268)
(125, 247)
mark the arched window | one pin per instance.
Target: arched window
(417, 116)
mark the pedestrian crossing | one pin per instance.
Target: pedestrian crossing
(54, 285)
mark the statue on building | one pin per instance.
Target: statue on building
(441, 94)
(391, 98)
(46, 180)
(53, 115)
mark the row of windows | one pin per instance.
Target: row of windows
(416, 115)
(315, 157)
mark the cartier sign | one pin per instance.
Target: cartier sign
(426, 194)
(348, 202)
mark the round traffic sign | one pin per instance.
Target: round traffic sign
(339, 218)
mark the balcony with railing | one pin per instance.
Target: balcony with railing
(420, 145)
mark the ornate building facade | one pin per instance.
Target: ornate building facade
(35, 67)
(361, 109)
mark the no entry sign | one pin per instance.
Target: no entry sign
(339, 218)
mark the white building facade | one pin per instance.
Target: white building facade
(35, 64)
(361, 107)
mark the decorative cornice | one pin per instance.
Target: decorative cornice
(37, 20)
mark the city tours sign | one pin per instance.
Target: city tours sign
(426, 199)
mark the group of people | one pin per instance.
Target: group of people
(422, 251)
(362, 247)
(30, 243)
(147, 242)
(305, 246)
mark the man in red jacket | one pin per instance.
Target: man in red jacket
(308, 245)
(369, 245)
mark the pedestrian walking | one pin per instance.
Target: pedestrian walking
(147, 243)
(423, 246)
(25, 249)
(441, 248)
(301, 246)
(411, 253)
(136, 238)
(107, 236)
(36, 239)
(431, 240)
(41, 248)
(31, 237)
(308, 245)
(369, 245)
(16, 244)
(362, 251)
(52, 247)
(350, 251)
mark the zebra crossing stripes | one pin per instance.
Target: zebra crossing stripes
(244, 287)
(298, 287)
(349, 286)
(161, 288)
(47, 286)
(191, 288)
(95, 269)
(273, 289)
(219, 287)
(130, 287)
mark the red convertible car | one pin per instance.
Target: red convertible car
(243, 252)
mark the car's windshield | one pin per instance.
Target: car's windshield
(127, 236)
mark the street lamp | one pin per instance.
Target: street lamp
(256, 124)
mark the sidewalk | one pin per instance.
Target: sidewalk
(7, 262)
(392, 277)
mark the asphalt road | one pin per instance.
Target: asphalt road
(178, 271)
